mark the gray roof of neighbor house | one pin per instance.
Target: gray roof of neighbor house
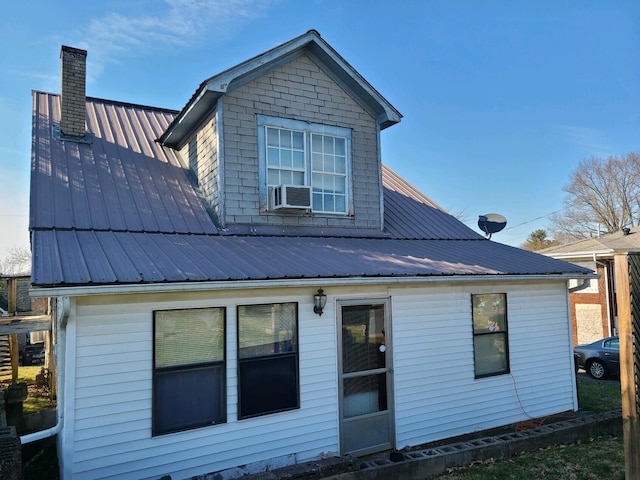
(605, 244)
(121, 209)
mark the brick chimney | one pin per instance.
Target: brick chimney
(73, 91)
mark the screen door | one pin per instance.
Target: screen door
(365, 376)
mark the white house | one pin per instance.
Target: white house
(243, 284)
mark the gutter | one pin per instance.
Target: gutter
(63, 314)
(591, 255)
(585, 254)
(120, 289)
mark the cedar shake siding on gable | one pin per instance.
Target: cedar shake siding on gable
(203, 160)
(297, 90)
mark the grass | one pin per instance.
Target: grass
(599, 396)
(25, 375)
(38, 398)
(600, 457)
(594, 460)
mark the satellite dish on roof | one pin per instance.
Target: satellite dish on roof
(491, 223)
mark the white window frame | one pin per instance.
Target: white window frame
(308, 129)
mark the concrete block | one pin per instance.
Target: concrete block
(10, 454)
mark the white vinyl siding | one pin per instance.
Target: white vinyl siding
(111, 402)
(108, 405)
(437, 395)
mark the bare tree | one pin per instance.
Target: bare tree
(17, 262)
(602, 195)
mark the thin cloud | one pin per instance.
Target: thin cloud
(587, 138)
(47, 82)
(177, 23)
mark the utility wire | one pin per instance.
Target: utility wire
(532, 220)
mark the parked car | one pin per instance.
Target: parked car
(600, 358)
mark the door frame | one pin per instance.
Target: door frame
(386, 303)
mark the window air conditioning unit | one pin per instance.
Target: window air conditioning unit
(291, 196)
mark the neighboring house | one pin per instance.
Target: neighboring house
(18, 314)
(23, 302)
(593, 308)
(242, 284)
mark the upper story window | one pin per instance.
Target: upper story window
(306, 154)
(490, 335)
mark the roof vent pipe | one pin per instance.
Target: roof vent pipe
(626, 230)
(73, 91)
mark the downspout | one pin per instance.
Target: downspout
(64, 307)
(585, 284)
(574, 386)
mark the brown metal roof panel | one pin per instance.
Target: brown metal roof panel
(408, 213)
(113, 182)
(161, 258)
(407, 217)
(121, 180)
(156, 174)
(153, 176)
(95, 258)
(132, 183)
(151, 173)
(116, 257)
(395, 182)
(190, 260)
(72, 259)
(51, 202)
(45, 259)
(41, 191)
(113, 198)
(240, 257)
(144, 258)
(89, 183)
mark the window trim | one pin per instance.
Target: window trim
(503, 332)
(240, 361)
(307, 128)
(158, 371)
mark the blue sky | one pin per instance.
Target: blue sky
(501, 99)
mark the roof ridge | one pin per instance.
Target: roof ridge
(114, 102)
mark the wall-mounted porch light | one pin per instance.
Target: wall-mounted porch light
(319, 301)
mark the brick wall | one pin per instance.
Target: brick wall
(597, 323)
(72, 98)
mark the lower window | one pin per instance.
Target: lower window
(490, 336)
(188, 369)
(267, 359)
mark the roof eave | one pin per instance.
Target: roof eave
(202, 102)
(85, 290)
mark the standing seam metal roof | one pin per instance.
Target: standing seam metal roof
(121, 209)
